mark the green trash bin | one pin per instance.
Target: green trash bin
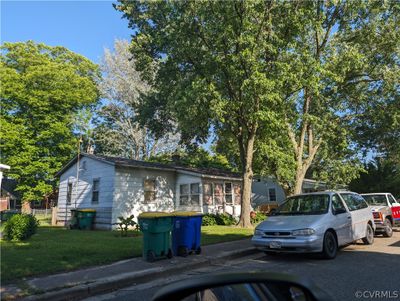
(156, 228)
(85, 218)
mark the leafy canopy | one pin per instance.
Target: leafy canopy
(42, 88)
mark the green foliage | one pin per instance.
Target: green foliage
(381, 175)
(209, 220)
(20, 227)
(193, 157)
(125, 223)
(223, 219)
(257, 217)
(43, 88)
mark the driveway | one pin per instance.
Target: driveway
(359, 272)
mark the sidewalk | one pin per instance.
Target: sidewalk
(91, 281)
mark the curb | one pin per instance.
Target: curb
(113, 283)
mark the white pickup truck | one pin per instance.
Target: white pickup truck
(386, 211)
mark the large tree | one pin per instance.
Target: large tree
(282, 80)
(343, 80)
(42, 89)
(218, 65)
(118, 131)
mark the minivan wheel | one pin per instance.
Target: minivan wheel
(369, 237)
(388, 232)
(330, 246)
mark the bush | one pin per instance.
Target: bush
(20, 227)
(257, 217)
(223, 219)
(125, 223)
(209, 220)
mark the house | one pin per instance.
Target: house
(119, 187)
(9, 197)
(267, 189)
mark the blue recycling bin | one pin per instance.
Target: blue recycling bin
(186, 233)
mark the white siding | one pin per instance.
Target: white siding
(129, 192)
(82, 194)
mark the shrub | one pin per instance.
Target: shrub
(257, 217)
(223, 219)
(209, 220)
(125, 223)
(20, 227)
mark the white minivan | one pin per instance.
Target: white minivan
(316, 222)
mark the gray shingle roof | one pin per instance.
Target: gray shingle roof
(118, 161)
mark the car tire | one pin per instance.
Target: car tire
(330, 246)
(388, 232)
(369, 235)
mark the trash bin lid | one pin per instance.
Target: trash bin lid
(154, 214)
(187, 213)
(86, 210)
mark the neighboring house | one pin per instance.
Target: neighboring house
(266, 189)
(9, 198)
(120, 187)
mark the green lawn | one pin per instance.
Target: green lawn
(57, 249)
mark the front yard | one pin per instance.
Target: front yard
(54, 249)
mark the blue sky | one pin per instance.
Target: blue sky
(85, 27)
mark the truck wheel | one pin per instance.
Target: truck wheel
(369, 236)
(388, 232)
(330, 246)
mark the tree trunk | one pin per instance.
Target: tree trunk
(245, 221)
(300, 175)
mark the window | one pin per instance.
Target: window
(149, 190)
(195, 194)
(392, 200)
(218, 194)
(228, 194)
(272, 194)
(95, 190)
(354, 201)
(238, 194)
(337, 204)
(189, 194)
(207, 194)
(69, 193)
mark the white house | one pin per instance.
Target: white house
(119, 187)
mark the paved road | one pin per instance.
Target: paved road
(358, 269)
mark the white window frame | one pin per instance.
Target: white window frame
(96, 191)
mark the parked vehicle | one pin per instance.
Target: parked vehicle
(316, 222)
(386, 211)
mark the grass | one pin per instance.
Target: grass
(55, 249)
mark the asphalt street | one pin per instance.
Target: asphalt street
(359, 272)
